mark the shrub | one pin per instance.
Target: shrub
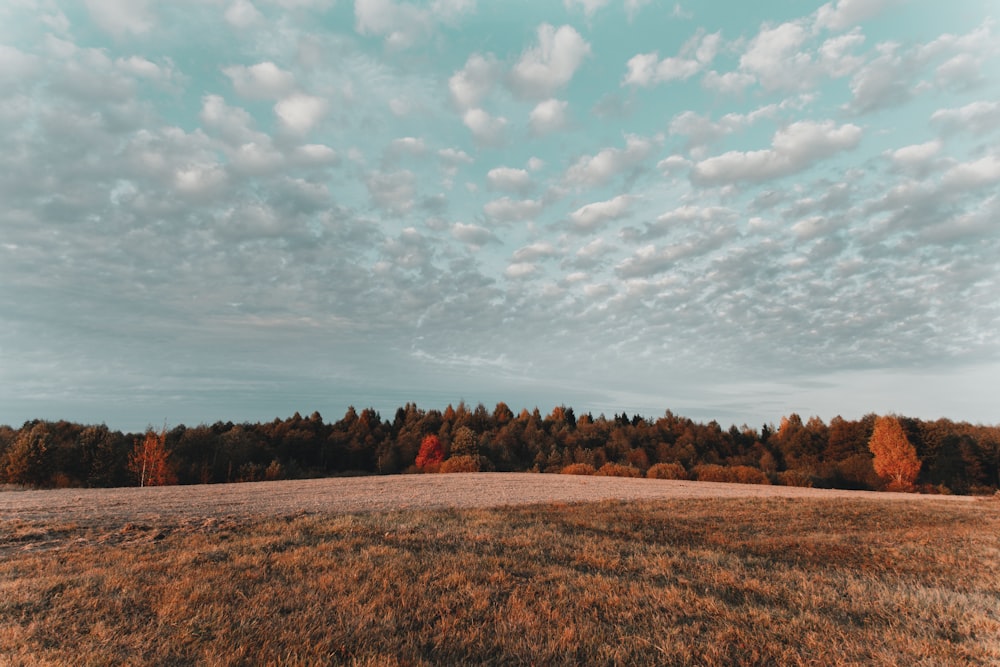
(460, 464)
(578, 469)
(794, 478)
(667, 471)
(617, 470)
(732, 474)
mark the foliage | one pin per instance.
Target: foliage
(617, 470)
(150, 460)
(431, 454)
(957, 456)
(895, 459)
(463, 463)
(738, 474)
(578, 469)
(666, 471)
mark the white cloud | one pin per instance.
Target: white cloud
(534, 252)
(261, 81)
(16, 65)
(793, 148)
(403, 24)
(647, 69)
(883, 82)
(835, 53)
(199, 180)
(473, 235)
(299, 113)
(915, 156)
(846, 13)
(121, 17)
(548, 116)
(969, 175)
(474, 81)
(454, 157)
(610, 162)
(393, 191)
(242, 14)
(775, 57)
(506, 209)
(588, 6)
(519, 270)
(408, 146)
(595, 215)
(977, 117)
(730, 83)
(545, 68)
(315, 154)
(233, 124)
(485, 128)
(509, 179)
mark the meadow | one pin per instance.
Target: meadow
(761, 580)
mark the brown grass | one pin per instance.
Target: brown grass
(671, 582)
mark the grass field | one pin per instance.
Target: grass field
(710, 581)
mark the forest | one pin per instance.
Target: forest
(891, 452)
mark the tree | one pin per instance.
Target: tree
(29, 459)
(150, 460)
(431, 454)
(895, 459)
(464, 442)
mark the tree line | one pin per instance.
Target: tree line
(873, 452)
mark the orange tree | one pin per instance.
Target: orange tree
(895, 459)
(150, 460)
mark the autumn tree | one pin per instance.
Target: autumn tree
(431, 454)
(29, 459)
(895, 459)
(150, 460)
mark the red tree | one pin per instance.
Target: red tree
(150, 460)
(431, 454)
(895, 460)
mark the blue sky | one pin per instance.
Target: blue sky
(237, 209)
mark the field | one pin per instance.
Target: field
(497, 569)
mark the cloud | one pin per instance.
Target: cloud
(520, 270)
(647, 69)
(509, 179)
(453, 157)
(263, 81)
(242, 14)
(975, 174)
(506, 209)
(233, 124)
(393, 191)
(775, 57)
(846, 13)
(534, 252)
(916, 157)
(883, 82)
(548, 116)
(402, 24)
(589, 7)
(485, 128)
(596, 215)
(793, 148)
(545, 68)
(474, 81)
(730, 83)
(708, 218)
(601, 168)
(299, 113)
(473, 235)
(413, 146)
(122, 17)
(976, 117)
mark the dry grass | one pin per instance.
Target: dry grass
(708, 582)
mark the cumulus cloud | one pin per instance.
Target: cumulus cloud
(846, 13)
(509, 179)
(263, 81)
(793, 148)
(974, 174)
(596, 215)
(393, 191)
(709, 218)
(550, 65)
(485, 128)
(122, 17)
(402, 24)
(548, 116)
(242, 14)
(775, 57)
(299, 112)
(474, 81)
(728, 83)
(601, 168)
(520, 270)
(916, 157)
(534, 252)
(473, 235)
(976, 117)
(647, 69)
(506, 209)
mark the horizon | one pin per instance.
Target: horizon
(238, 210)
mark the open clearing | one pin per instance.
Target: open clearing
(500, 569)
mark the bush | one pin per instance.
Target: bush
(794, 478)
(578, 469)
(460, 464)
(617, 470)
(731, 474)
(667, 471)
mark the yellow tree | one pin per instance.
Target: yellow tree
(895, 459)
(150, 460)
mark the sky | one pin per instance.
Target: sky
(238, 209)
